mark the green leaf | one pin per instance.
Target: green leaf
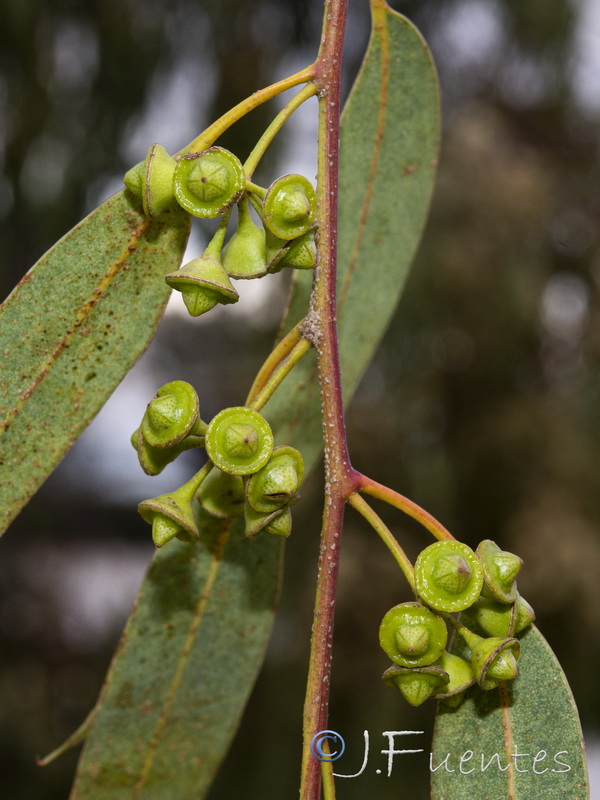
(71, 330)
(185, 683)
(189, 655)
(533, 716)
(389, 147)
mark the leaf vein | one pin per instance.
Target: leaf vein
(380, 30)
(85, 310)
(508, 739)
(203, 600)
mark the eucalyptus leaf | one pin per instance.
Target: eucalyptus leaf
(186, 665)
(72, 329)
(188, 657)
(521, 741)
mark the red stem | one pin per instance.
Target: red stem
(320, 327)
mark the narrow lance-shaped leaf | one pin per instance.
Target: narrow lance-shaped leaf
(72, 329)
(186, 664)
(189, 655)
(521, 741)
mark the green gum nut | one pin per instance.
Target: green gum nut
(524, 614)
(157, 187)
(448, 576)
(412, 635)
(460, 674)
(245, 255)
(239, 440)
(134, 179)
(300, 253)
(493, 659)
(289, 206)
(203, 283)
(172, 414)
(152, 181)
(453, 701)
(500, 569)
(280, 525)
(278, 522)
(173, 515)
(275, 484)
(154, 459)
(276, 249)
(417, 685)
(158, 191)
(222, 495)
(206, 184)
(491, 617)
(499, 619)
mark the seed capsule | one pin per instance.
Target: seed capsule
(203, 283)
(206, 184)
(239, 440)
(281, 525)
(275, 484)
(460, 673)
(491, 617)
(524, 614)
(152, 181)
(154, 459)
(299, 253)
(418, 684)
(278, 522)
(245, 255)
(493, 659)
(494, 618)
(173, 515)
(172, 414)
(500, 569)
(448, 576)
(289, 206)
(302, 254)
(222, 495)
(412, 635)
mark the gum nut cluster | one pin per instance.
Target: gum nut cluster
(207, 185)
(450, 577)
(248, 475)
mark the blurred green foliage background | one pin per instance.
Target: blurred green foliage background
(482, 403)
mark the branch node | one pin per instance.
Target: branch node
(310, 329)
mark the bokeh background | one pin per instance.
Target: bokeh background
(482, 403)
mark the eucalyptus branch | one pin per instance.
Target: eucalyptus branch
(321, 328)
(143, 732)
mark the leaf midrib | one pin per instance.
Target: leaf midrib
(508, 740)
(186, 649)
